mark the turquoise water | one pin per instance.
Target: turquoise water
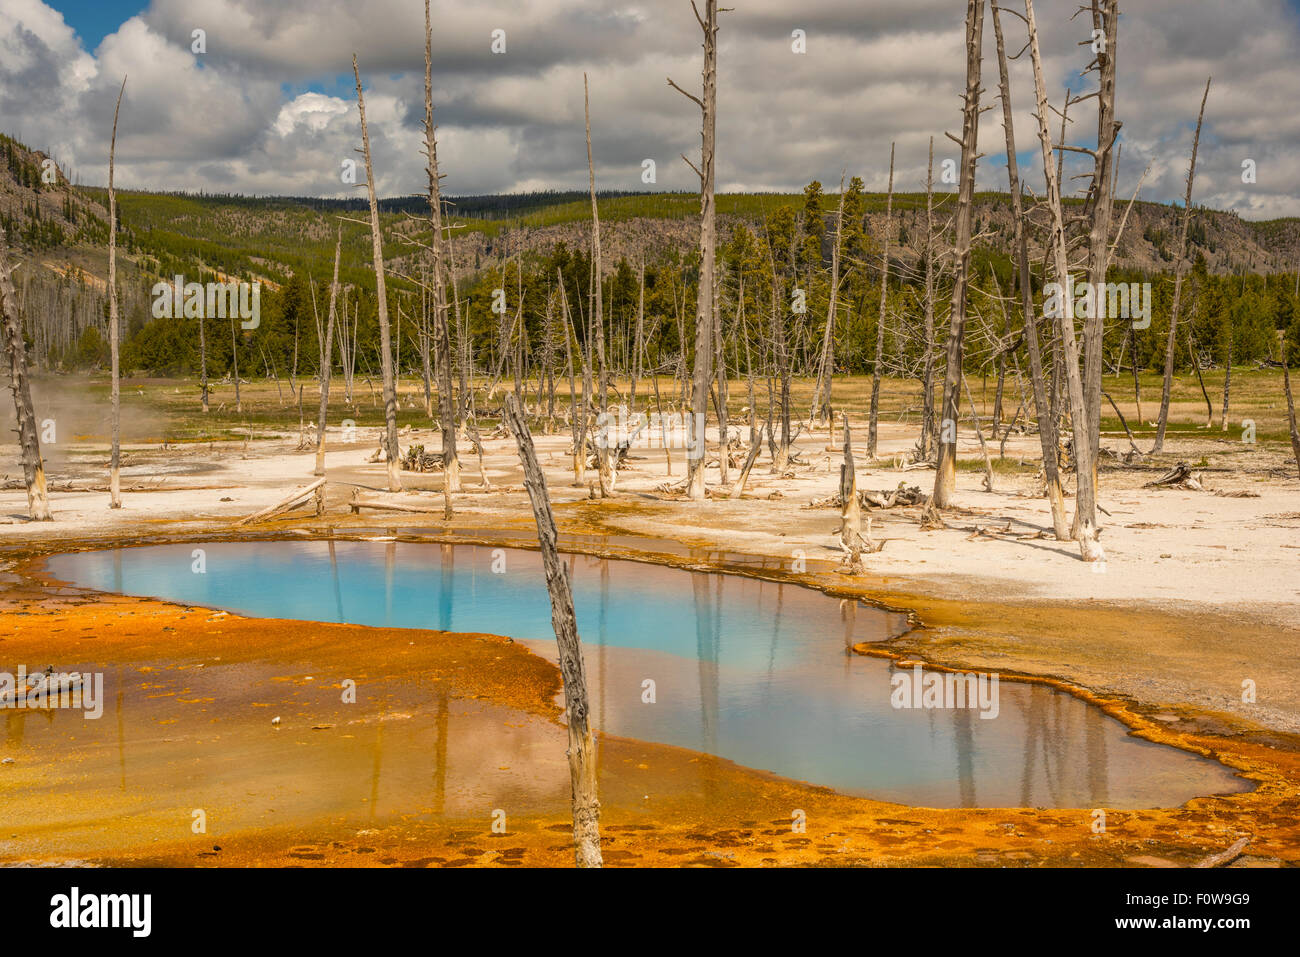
(757, 672)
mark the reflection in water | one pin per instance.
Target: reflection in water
(706, 653)
(961, 718)
(748, 670)
(390, 562)
(440, 753)
(1054, 739)
(1096, 732)
(446, 592)
(338, 591)
(121, 727)
(374, 771)
(205, 738)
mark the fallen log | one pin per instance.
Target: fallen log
(283, 505)
(1180, 476)
(357, 505)
(903, 495)
(418, 460)
(1223, 858)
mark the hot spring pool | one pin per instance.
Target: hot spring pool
(757, 672)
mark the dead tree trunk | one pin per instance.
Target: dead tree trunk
(979, 431)
(582, 756)
(1137, 385)
(997, 395)
(577, 422)
(285, 504)
(1042, 407)
(115, 324)
(348, 348)
(705, 307)
(927, 374)
(781, 360)
(1105, 18)
(638, 338)
(1290, 405)
(756, 443)
(1200, 379)
(38, 500)
(327, 358)
(424, 335)
(203, 362)
(873, 422)
(234, 361)
(598, 308)
(1122, 421)
(721, 396)
(442, 337)
(850, 507)
(822, 391)
(391, 452)
(1085, 520)
(945, 478)
(1227, 381)
(1179, 270)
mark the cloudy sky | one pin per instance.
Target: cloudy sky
(270, 107)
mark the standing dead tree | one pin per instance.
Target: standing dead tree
(347, 342)
(872, 424)
(706, 295)
(720, 394)
(781, 361)
(1020, 239)
(927, 375)
(755, 445)
(424, 343)
(234, 362)
(38, 500)
(639, 341)
(582, 757)
(826, 363)
(442, 338)
(979, 432)
(326, 355)
(115, 323)
(577, 418)
(1290, 404)
(1100, 204)
(1180, 270)
(391, 452)
(1227, 376)
(203, 362)
(1085, 518)
(850, 507)
(598, 310)
(945, 478)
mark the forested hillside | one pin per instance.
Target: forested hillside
(1242, 290)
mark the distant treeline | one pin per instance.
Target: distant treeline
(775, 274)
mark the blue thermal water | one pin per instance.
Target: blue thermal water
(757, 672)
